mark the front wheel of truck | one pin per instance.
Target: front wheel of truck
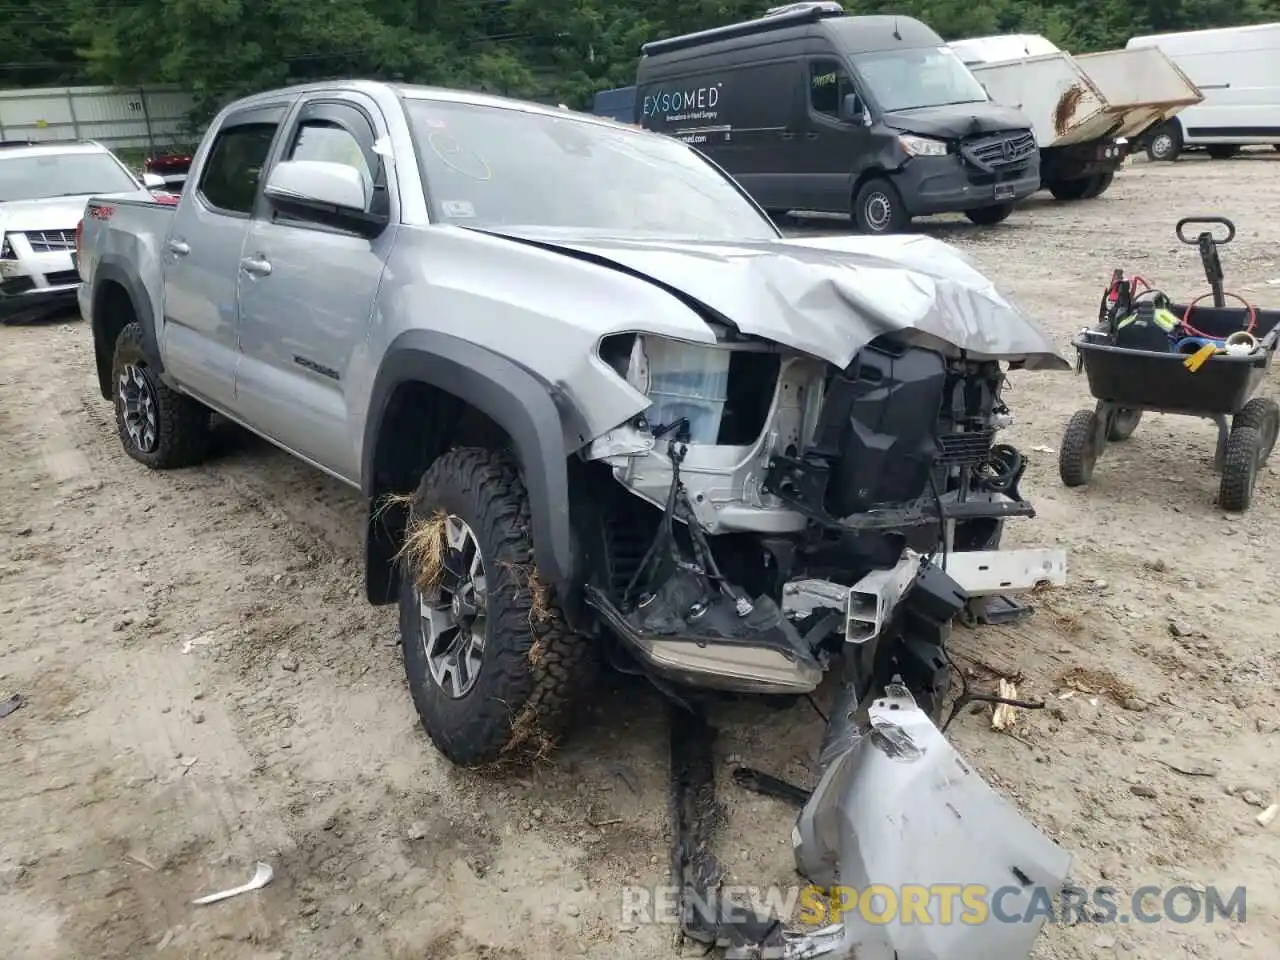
(990, 216)
(159, 427)
(493, 667)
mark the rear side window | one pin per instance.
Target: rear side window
(229, 181)
(829, 83)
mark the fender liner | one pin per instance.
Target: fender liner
(114, 270)
(514, 399)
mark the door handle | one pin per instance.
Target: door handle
(811, 135)
(256, 266)
(179, 247)
(788, 135)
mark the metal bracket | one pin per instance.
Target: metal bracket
(985, 573)
(867, 606)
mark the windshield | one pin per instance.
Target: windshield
(910, 79)
(38, 177)
(497, 167)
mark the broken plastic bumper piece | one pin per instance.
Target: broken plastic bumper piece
(899, 810)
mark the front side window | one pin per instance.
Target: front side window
(498, 167)
(234, 166)
(829, 84)
(912, 79)
(41, 176)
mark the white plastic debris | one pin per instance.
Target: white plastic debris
(261, 877)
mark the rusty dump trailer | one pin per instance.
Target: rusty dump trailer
(1085, 109)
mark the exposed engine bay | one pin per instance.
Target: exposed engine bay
(790, 511)
(774, 516)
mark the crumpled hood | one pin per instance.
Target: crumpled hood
(54, 213)
(830, 296)
(959, 120)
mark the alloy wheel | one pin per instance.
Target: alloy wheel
(141, 416)
(454, 623)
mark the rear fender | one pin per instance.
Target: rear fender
(108, 319)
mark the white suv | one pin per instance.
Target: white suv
(43, 191)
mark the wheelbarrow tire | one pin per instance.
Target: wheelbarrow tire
(1263, 415)
(1240, 469)
(1123, 424)
(1079, 452)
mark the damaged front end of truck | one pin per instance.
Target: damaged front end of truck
(820, 487)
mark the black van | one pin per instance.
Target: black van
(810, 109)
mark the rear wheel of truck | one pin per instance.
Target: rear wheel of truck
(1165, 144)
(1222, 151)
(158, 427)
(1079, 453)
(990, 216)
(492, 666)
(1077, 188)
(1099, 183)
(878, 208)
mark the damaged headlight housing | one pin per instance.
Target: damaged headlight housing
(688, 381)
(6, 249)
(922, 146)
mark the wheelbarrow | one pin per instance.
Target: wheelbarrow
(1193, 360)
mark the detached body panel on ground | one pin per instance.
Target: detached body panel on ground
(601, 409)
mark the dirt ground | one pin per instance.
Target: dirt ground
(207, 688)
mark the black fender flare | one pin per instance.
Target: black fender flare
(514, 399)
(115, 270)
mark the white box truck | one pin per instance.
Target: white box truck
(1238, 69)
(1085, 109)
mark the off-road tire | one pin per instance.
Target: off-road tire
(534, 668)
(182, 424)
(1165, 145)
(1240, 469)
(1079, 453)
(1077, 188)
(1123, 425)
(870, 194)
(990, 216)
(1264, 416)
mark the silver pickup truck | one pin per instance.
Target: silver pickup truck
(600, 408)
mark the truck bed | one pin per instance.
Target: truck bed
(1076, 100)
(131, 232)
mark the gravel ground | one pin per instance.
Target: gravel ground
(207, 688)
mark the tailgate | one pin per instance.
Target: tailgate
(1139, 87)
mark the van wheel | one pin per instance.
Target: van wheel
(990, 216)
(1166, 144)
(878, 208)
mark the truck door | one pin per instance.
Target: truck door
(307, 290)
(831, 149)
(201, 256)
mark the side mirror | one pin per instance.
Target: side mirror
(318, 183)
(851, 108)
(326, 192)
(153, 181)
